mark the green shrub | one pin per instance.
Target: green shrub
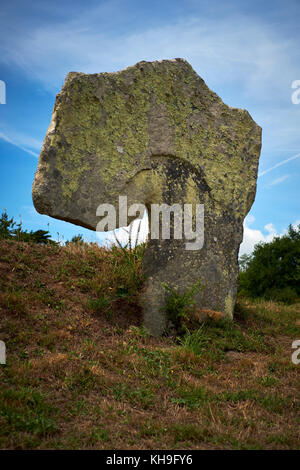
(177, 305)
(273, 269)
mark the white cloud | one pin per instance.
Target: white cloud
(296, 224)
(243, 51)
(225, 48)
(254, 236)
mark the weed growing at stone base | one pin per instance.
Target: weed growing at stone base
(178, 305)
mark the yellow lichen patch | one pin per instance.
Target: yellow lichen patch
(229, 306)
(97, 115)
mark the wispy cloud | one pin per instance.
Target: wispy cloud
(22, 142)
(231, 50)
(282, 162)
(223, 48)
(279, 180)
(246, 52)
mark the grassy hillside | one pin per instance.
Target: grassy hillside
(81, 371)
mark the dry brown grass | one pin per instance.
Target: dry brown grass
(83, 373)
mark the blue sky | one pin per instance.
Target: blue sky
(246, 51)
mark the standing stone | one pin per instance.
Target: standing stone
(157, 134)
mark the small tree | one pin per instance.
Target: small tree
(6, 226)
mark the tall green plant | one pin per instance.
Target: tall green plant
(178, 305)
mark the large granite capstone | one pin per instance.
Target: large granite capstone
(157, 134)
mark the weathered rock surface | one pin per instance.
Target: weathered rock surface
(155, 133)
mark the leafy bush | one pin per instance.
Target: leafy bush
(177, 305)
(273, 269)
